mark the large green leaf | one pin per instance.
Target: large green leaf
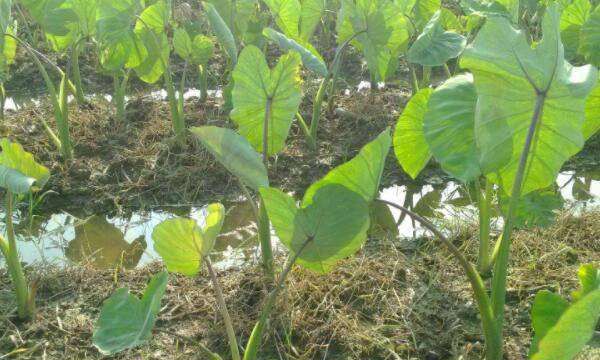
(311, 59)
(434, 46)
(57, 18)
(449, 127)
(571, 20)
(511, 77)
(235, 153)
(379, 30)
(150, 28)
(362, 174)
(258, 91)
(222, 31)
(286, 14)
(126, 321)
(591, 124)
(410, 146)
(310, 16)
(182, 43)
(19, 172)
(182, 244)
(335, 220)
(425, 10)
(589, 44)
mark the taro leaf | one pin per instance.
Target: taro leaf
(57, 19)
(573, 330)
(182, 43)
(150, 28)
(222, 31)
(382, 221)
(484, 8)
(450, 21)
(286, 14)
(537, 208)
(310, 16)
(509, 75)
(545, 313)
(434, 46)
(310, 58)
(234, 153)
(19, 172)
(429, 203)
(8, 51)
(449, 127)
(591, 124)
(380, 31)
(202, 49)
(571, 20)
(589, 281)
(126, 321)
(589, 45)
(425, 10)
(5, 15)
(336, 219)
(257, 88)
(182, 244)
(410, 146)
(581, 190)
(362, 174)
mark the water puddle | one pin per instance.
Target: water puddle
(107, 242)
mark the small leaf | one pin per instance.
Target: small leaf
(362, 174)
(202, 49)
(335, 219)
(222, 31)
(382, 221)
(234, 153)
(410, 146)
(286, 14)
(126, 321)
(310, 59)
(537, 208)
(182, 43)
(589, 280)
(182, 244)
(19, 171)
(434, 46)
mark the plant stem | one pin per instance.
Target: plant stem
(447, 71)
(256, 336)
(75, 51)
(484, 202)
(235, 353)
(316, 112)
(501, 264)
(309, 139)
(2, 101)
(426, 80)
(483, 301)
(62, 121)
(264, 227)
(413, 79)
(119, 95)
(203, 82)
(13, 263)
(176, 118)
(265, 134)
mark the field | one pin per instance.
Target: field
(301, 179)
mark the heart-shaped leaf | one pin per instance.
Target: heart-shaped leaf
(182, 244)
(234, 153)
(126, 321)
(434, 46)
(410, 146)
(19, 172)
(331, 226)
(259, 93)
(526, 78)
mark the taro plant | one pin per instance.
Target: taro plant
(516, 141)
(562, 329)
(580, 29)
(126, 321)
(197, 52)
(20, 174)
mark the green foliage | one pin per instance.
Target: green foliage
(310, 57)
(378, 29)
(182, 243)
(591, 124)
(235, 154)
(362, 174)
(261, 94)
(19, 172)
(298, 19)
(571, 20)
(150, 29)
(536, 209)
(126, 321)
(410, 146)
(222, 31)
(563, 329)
(434, 46)
(334, 219)
(449, 127)
(8, 50)
(590, 38)
(424, 10)
(528, 78)
(197, 51)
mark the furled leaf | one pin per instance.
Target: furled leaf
(571, 20)
(589, 281)
(591, 124)
(434, 46)
(410, 146)
(126, 321)
(182, 244)
(537, 208)
(449, 127)
(511, 78)
(362, 174)
(222, 31)
(234, 153)
(259, 91)
(19, 172)
(335, 221)
(182, 43)
(589, 45)
(311, 59)
(572, 331)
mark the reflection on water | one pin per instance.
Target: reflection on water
(108, 242)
